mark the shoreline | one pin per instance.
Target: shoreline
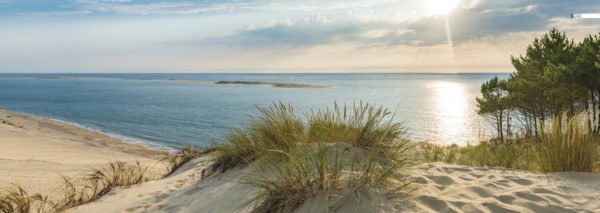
(125, 139)
(38, 151)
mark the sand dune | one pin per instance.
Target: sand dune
(443, 188)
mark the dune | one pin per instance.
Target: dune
(441, 188)
(36, 152)
(453, 188)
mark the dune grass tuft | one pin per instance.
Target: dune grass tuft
(333, 152)
(15, 199)
(362, 125)
(99, 182)
(277, 128)
(570, 146)
(182, 156)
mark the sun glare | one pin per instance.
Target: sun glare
(441, 7)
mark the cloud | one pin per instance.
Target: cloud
(130, 35)
(178, 7)
(480, 19)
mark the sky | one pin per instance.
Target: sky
(279, 36)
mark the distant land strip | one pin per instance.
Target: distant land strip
(276, 85)
(279, 85)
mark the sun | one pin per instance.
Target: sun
(441, 7)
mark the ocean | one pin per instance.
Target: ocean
(171, 110)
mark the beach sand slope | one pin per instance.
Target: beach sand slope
(443, 188)
(453, 188)
(35, 152)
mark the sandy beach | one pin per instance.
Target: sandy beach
(36, 152)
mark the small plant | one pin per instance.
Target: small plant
(183, 155)
(15, 199)
(117, 174)
(99, 182)
(73, 196)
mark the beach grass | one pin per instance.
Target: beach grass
(568, 145)
(332, 152)
(15, 199)
(276, 128)
(96, 184)
(182, 156)
(99, 182)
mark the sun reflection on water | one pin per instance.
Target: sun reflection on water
(451, 104)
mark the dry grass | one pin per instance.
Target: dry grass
(15, 199)
(99, 182)
(510, 154)
(570, 146)
(339, 152)
(182, 156)
(93, 186)
(277, 128)
(326, 170)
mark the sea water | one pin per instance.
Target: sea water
(175, 109)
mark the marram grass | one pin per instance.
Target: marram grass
(568, 145)
(338, 152)
(182, 156)
(97, 183)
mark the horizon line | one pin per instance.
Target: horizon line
(266, 72)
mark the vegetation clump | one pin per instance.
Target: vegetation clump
(332, 152)
(569, 146)
(96, 184)
(182, 156)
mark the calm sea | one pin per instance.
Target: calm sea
(174, 109)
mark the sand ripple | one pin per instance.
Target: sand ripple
(451, 188)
